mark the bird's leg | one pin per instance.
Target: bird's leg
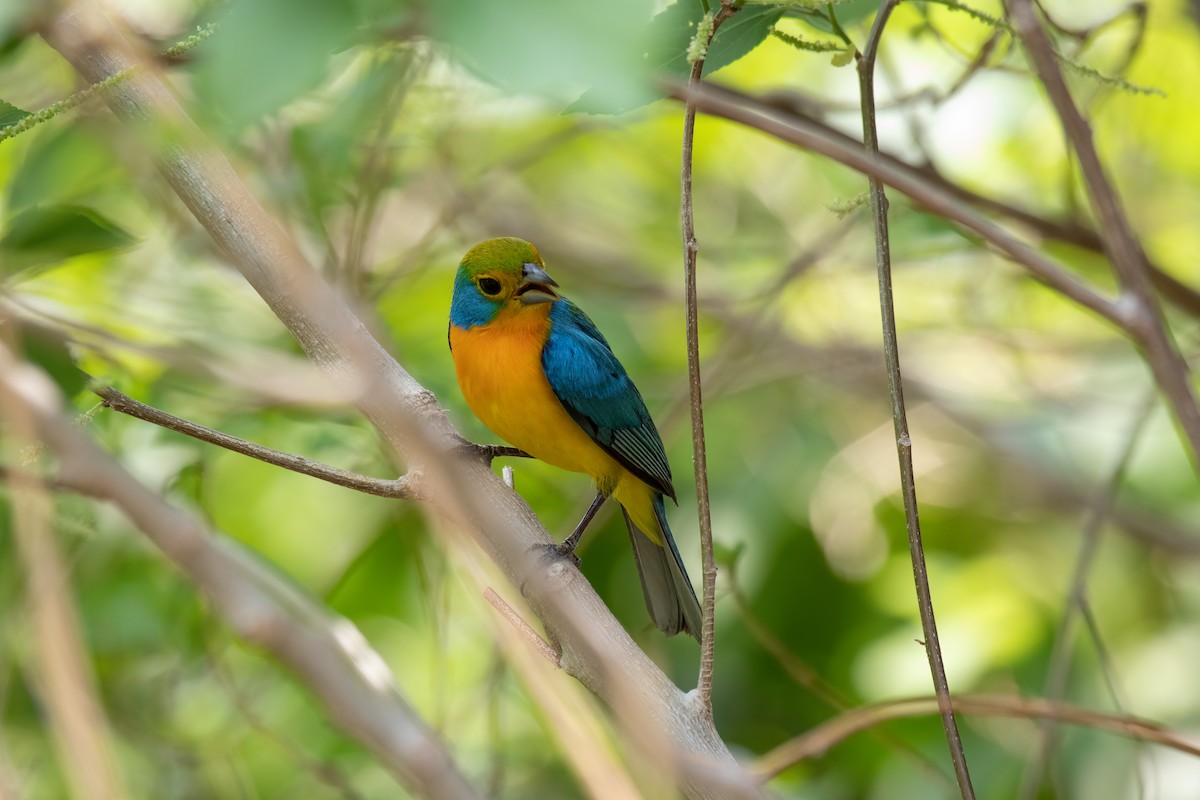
(567, 548)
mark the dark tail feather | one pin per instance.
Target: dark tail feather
(670, 597)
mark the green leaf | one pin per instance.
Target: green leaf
(672, 31)
(45, 235)
(51, 354)
(10, 114)
(740, 34)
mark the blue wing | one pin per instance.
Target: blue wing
(598, 394)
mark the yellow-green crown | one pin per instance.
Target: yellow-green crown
(506, 254)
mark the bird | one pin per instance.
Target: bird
(535, 369)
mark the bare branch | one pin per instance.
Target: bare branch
(820, 739)
(695, 397)
(1145, 323)
(401, 488)
(328, 653)
(891, 353)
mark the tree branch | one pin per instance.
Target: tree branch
(691, 249)
(891, 351)
(401, 488)
(1142, 323)
(1145, 321)
(823, 737)
(798, 105)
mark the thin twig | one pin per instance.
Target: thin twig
(820, 739)
(1145, 322)
(883, 262)
(696, 402)
(1060, 657)
(402, 488)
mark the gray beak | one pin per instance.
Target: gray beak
(536, 286)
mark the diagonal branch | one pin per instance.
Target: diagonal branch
(1136, 313)
(1145, 323)
(402, 488)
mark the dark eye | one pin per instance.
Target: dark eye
(489, 286)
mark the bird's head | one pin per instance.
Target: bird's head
(499, 274)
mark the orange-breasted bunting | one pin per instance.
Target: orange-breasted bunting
(538, 373)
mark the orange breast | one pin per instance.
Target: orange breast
(500, 372)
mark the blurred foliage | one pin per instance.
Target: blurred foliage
(388, 139)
